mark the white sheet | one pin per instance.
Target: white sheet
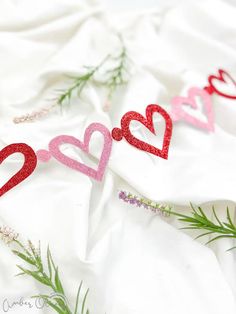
(132, 261)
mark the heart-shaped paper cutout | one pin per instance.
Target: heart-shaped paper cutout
(117, 133)
(54, 148)
(221, 77)
(28, 167)
(178, 112)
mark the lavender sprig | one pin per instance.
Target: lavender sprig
(160, 209)
(196, 220)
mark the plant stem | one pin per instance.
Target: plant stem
(117, 73)
(196, 220)
(57, 300)
(80, 82)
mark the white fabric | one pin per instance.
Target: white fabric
(133, 262)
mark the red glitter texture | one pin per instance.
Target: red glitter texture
(28, 167)
(222, 74)
(117, 134)
(209, 89)
(148, 122)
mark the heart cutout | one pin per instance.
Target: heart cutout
(54, 149)
(178, 112)
(28, 167)
(125, 132)
(221, 77)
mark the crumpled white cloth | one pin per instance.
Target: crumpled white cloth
(133, 262)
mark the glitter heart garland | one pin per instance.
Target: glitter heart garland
(118, 134)
(54, 151)
(178, 112)
(31, 158)
(27, 169)
(220, 77)
(125, 132)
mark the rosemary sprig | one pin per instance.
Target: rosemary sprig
(198, 220)
(114, 77)
(49, 277)
(79, 82)
(117, 75)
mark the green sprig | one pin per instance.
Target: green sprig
(115, 76)
(79, 82)
(118, 75)
(49, 277)
(198, 220)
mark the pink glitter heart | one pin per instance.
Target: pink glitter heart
(54, 149)
(179, 113)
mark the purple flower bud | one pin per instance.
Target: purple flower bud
(132, 201)
(122, 195)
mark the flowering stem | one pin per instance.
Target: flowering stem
(157, 208)
(197, 219)
(50, 278)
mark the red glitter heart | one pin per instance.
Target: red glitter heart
(220, 77)
(28, 167)
(117, 133)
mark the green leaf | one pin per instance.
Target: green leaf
(36, 255)
(220, 237)
(77, 298)
(54, 306)
(61, 302)
(23, 248)
(20, 274)
(216, 217)
(232, 248)
(58, 282)
(202, 213)
(61, 307)
(229, 219)
(189, 219)
(204, 234)
(35, 275)
(49, 263)
(230, 229)
(39, 296)
(84, 301)
(51, 259)
(24, 257)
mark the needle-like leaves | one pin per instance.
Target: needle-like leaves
(198, 220)
(79, 82)
(77, 311)
(118, 74)
(57, 299)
